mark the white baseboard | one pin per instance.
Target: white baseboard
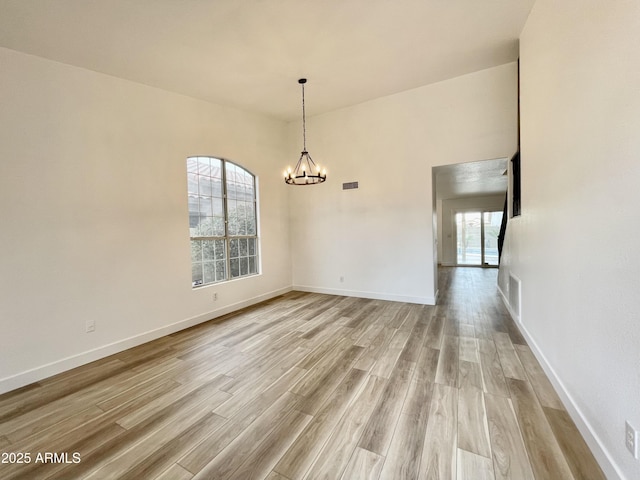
(372, 295)
(598, 449)
(44, 371)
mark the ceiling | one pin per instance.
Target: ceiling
(485, 177)
(249, 54)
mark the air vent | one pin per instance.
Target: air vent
(349, 185)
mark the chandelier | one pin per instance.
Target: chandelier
(306, 172)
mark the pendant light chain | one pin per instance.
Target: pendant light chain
(304, 123)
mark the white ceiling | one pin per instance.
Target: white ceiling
(484, 177)
(249, 54)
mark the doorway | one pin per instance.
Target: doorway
(477, 237)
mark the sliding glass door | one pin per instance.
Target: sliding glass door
(477, 237)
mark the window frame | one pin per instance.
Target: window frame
(227, 238)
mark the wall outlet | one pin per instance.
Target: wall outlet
(215, 297)
(631, 439)
(90, 326)
(341, 279)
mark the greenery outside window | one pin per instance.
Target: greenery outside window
(222, 220)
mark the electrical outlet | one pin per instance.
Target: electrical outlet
(90, 326)
(215, 297)
(341, 279)
(631, 439)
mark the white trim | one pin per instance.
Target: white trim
(44, 371)
(372, 295)
(600, 452)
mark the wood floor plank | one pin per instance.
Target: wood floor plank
(337, 451)
(271, 400)
(510, 362)
(183, 391)
(363, 465)
(427, 365)
(378, 432)
(575, 449)
(545, 455)
(539, 381)
(150, 455)
(261, 461)
(378, 345)
(313, 399)
(234, 454)
(175, 472)
(276, 476)
(447, 373)
(473, 467)
(312, 381)
(473, 431)
(470, 375)
(435, 332)
(303, 451)
(492, 374)
(402, 461)
(469, 350)
(440, 447)
(386, 361)
(510, 457)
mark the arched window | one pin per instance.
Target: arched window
(223, 222)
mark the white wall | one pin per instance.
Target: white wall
(575, 247)
(380, 236)
(93, 213)
(447, 233)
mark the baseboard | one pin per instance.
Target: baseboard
(372, 295)
(39, 373)
(598, 449)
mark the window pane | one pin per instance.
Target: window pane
(206, 187)
(196, 274)
(492, 222)
(242, 243)
(196, 251)
(252, 265)
(205, 229)
(207, 250)
(194, 207)
(220, 271)
(252, 246)
(468, 238)
(192, 183)
(218, 207)
(209, 272)
(217, 227)
(204, 166)
(206, 208)
(219, 249)
(235, 268)
(192, 165)
(232, 209)
(244, 266)
(233, 246)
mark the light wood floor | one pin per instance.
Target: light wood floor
(311, 386)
